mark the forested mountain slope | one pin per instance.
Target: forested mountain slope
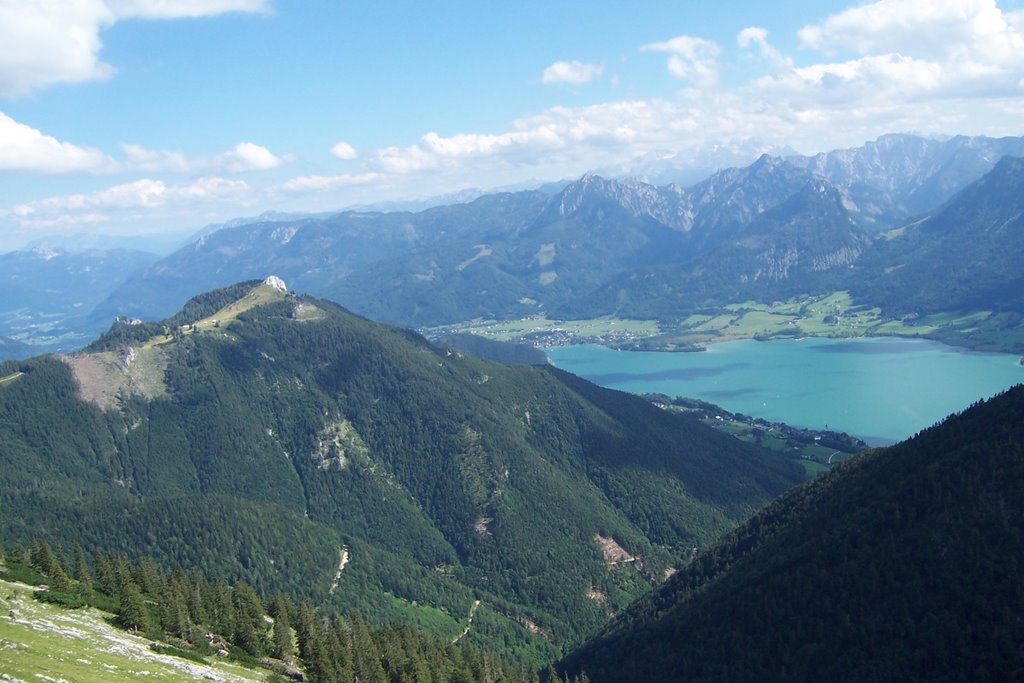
(902, 564)
(966, 255)
(256, 432)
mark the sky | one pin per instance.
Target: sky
(147, 117)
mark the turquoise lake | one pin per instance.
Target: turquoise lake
(879, 389)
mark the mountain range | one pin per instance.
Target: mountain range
(844, 220)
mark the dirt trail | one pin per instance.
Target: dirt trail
(342, 561)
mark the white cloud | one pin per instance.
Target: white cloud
(45, 43)
(574, 72)
(561, 136)
(403, 160)
(344, 151)
(23, 148)
(145, 193)
(930, 28)
(481, 145)
(933, 64)
(690, 58)
(183, 9)
(754, 35)
(247, 156)
(321, 182)
(49, 42)
(962, 48)
(139, 159)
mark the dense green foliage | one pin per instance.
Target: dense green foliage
(902, 564)
(194, 619)
(299, 428)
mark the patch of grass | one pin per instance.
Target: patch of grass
(833, 315)
(812, 468)
(10, 378)
(43, 641)
(262, 294)
(306, 312)
(425, 617)
(22, 573)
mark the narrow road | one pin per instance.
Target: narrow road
(832, 456)
(472, 611)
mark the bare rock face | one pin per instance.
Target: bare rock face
(276, 282)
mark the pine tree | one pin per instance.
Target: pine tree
(83, 574)
(41, 557)
(339, 645)
(134, 613)
(280, 610)
(249, 633)
(124, 573)
(105, 573)
(318, 663)
(197, 610)
(19, 554)
(59, 581)
(148, 577)
(221, 608)
(174, 617)
(365, 655)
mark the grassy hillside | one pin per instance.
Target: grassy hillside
(48, 642)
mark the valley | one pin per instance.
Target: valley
(511, 342)
(833, 315)
(227, 423)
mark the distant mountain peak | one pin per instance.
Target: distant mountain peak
(663, 204)
(45, 253)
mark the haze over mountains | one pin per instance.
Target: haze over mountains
(599, 246)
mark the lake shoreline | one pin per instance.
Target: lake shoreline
(880, 389)
(1012, 343)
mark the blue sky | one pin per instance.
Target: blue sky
(153, 116)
